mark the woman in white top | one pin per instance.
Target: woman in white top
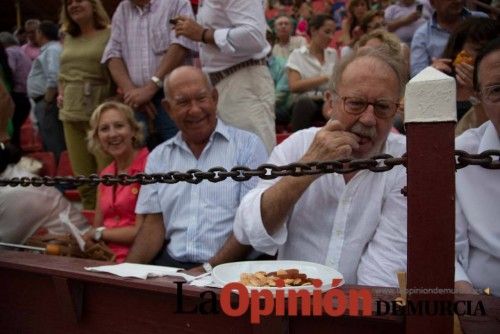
(309, 70)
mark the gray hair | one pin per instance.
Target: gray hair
(382, 54)
(7, 39)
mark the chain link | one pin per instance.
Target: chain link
(487, 159)
(378, 163)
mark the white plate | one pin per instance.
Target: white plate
(230, 272)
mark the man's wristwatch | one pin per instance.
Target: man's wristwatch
(157, 81)
(98, 233)
(207, 267)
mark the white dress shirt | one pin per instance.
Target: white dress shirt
(308, 66)
(198, 218)
(23, 210)
(333, 222)
(240, 32)
(478, 212)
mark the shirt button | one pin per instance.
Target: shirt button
(339, 232)
(117, 218)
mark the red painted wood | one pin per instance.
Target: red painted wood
(31, 302)
(431, 218)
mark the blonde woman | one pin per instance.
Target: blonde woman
(84, 83)
(115, 132)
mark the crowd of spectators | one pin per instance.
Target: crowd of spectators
(200, 84)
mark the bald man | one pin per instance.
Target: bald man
(188, 224)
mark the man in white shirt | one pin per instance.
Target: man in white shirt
(335, 219)
(233, 49)
(478, 189)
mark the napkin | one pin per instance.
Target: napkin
(205, 280)
(142, 271)
(64, 218)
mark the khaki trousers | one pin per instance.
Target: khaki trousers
(82, 161)
(246, 101)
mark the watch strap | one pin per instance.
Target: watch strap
(207, 267)
(157, 81)
(98, 233)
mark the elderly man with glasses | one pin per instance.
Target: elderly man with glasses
(355, 222)
(478, 189)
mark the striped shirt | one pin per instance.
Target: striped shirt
(142, 35)
(20, 64)
(199, 218)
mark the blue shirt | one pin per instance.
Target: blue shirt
(198, 218)
(429, 42)
(45, 70)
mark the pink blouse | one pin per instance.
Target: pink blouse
(117, 203)
(302, 27)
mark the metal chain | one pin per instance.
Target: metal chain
(489, 159)
(378, 163)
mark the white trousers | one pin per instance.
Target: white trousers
(246, 101)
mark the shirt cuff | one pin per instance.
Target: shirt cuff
(110, 54)
(249, 228)
(221, 40)
(460, 274)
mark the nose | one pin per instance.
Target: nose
(112, 132)
(195, 107)
(368, 117)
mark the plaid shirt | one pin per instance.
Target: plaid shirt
(141, 36)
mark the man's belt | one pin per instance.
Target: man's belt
(217, 77)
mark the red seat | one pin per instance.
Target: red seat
(30, 140)
(48, 161)
(89, 214)
(72, 195)
(282, 136)
(64, 168)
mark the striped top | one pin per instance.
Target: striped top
(199, 218)
(142, 35)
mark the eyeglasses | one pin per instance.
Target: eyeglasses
(357, 105)
(490, 94)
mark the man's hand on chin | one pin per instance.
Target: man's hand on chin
(332, 142)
